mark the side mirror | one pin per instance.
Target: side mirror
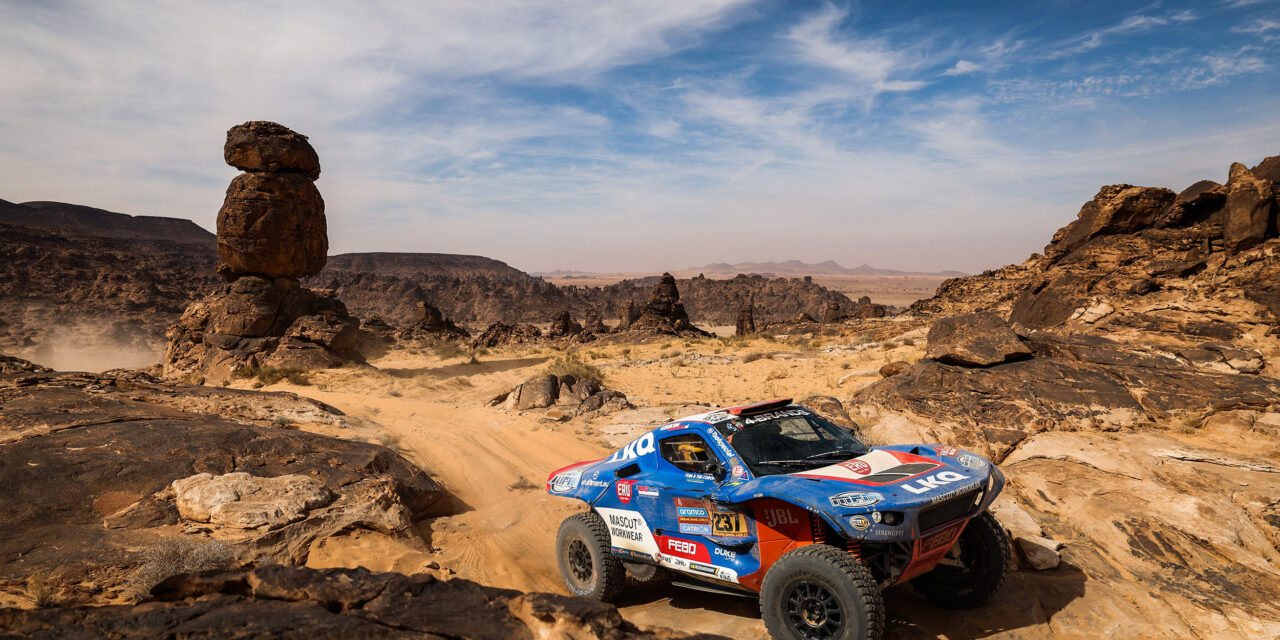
(717, 471)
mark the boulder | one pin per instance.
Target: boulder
(832, 313)
(595, 324)
(564, 326)
(1268, 169)
(273, 225)
(259, 146)
(1040, 553)
(829, 408)
(537, 393)
(1116, 209)
(242, 501)
(894, 368)
(974, 340)
(501, 334)
(1249, 211)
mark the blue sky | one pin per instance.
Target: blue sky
(649, 135)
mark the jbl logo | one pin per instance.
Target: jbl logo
(775, 517)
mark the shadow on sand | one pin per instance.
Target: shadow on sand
(465, 368)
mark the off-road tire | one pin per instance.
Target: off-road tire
(646, 574)
(817, 577)
(587, 565)
(987, 545)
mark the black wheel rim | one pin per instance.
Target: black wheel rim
(580, 564)
(964, 569)
(813, 611)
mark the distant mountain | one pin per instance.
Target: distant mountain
(75, 219)
(798, 268)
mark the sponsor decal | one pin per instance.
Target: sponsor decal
(728, 524)
(648, 492)
(636, 448)
(929, 483)
(720, 444)
(699, 477)
(628, 530)
(854, 499)
(681, 548)
(739, 472)
(861, 523)
(728, 575)
(705, 569)
(784, 413)
(728, 555)
(953, 493)
(973, 462)
(717, 417)
(594, 483)
(782, 515)
(623, 488)
(946, 451)
(940, 540)
(566, 481)
(888, 533)
(857, 466)
(695, 529)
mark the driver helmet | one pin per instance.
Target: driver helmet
(691, 451)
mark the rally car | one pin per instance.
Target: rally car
(773, 499)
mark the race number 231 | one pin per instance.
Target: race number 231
(728, 524)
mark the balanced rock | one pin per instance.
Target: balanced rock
(272, 224)
(266, 146)
(974, 340)
(746, 322)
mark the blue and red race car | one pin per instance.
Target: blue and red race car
(774, 499)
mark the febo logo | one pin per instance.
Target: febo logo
(857, 466)
(624, 490)
(638, 447)
(686, 549)
(927, 484)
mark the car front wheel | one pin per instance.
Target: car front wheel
(972, 571)
(587, 565)
(819, 592)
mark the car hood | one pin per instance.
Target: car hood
(902, 477)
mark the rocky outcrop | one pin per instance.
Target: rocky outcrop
(271, 230)
(975, 340)
(500, 334)
(115, 464)
(577, 396)
(663, 312)
(272, 222)
(1249, 212)
(746, 322)
(298, 602)
(564, 326)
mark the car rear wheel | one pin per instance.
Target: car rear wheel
(819, 592)
(973, 570)
(646, 574)
(587, 565)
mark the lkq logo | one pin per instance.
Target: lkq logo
(638, 447)
(624, 490)
(927, 484)
(774, 517)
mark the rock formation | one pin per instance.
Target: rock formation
(1134, 405)
(564, 326)
(112, 463)
(295, 602)
(746, 322)
(975, 340)
(577, 396)
(500, 334)
(271, 231)
(663, 312)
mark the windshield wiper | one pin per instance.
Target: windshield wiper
(784, 462)
(828, 454)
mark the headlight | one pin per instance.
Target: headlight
(855, 499)
(973, 462)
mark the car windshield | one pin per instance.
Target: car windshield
(789, 440)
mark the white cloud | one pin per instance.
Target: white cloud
(962, 67)
(1132, 24)
(867, 61)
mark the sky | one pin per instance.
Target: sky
(651, 135)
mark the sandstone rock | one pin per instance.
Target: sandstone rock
(259, 146)
(536, 393)
(1250, 209)
(746, 324)
(564, 326)
(832, 313)
(1052, 300)
(1093, 313)
(1268, 169)
(296, 602)
(894, 368)
(603, 402)
(243, 501)
(630, 313)
(663, 313)
(595, 324)
(501, 334)
(1194, 191)
(272, 224)
(829, 408)
(976, 340)
(1041, 553)
(1117, 209)
(428, 319)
